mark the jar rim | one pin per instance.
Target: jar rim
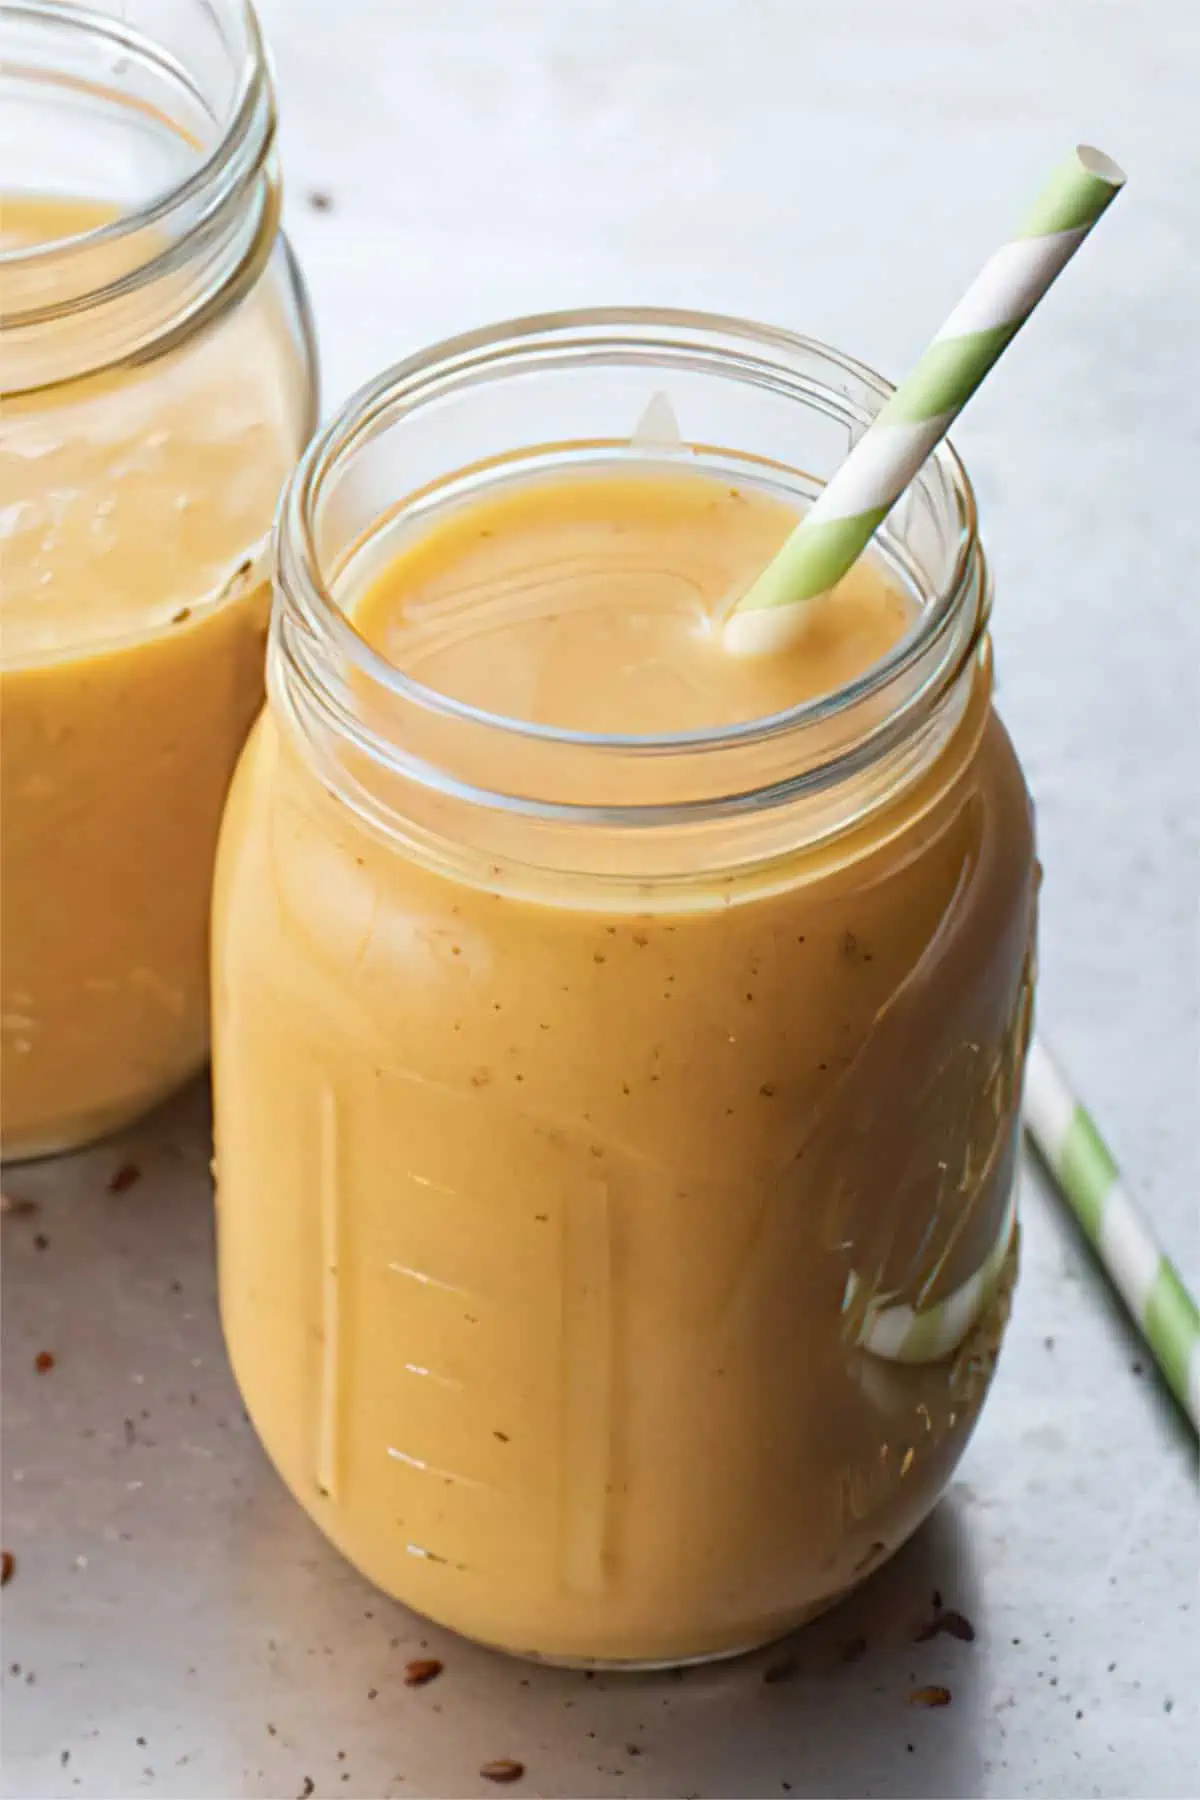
(238, 121)
(133, 285)
(466, 357)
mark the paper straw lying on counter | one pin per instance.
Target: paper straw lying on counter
(1148, 1282)
(858, 497)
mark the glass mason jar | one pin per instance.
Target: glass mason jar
(616, 1135)
(157, 380)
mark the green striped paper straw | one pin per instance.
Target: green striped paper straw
(1147, 1281)
(850, 509)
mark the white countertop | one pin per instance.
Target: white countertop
(841, 169)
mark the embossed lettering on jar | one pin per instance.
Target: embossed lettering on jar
(615, 1131)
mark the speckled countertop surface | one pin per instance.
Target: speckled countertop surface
(175, 1626)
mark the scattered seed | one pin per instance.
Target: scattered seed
(8, 1563)
(504, 1769)
(930, 1696)
(320, 201)
(43, 1362)
(424, 1669)
(124, 1178)
(948, 1623)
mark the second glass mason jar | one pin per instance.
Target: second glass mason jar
(157, 381)
(616, 1135)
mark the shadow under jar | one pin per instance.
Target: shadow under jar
(157, 381)
(616, 1135)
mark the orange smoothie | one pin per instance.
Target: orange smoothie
(134, 503)
(613, 1262)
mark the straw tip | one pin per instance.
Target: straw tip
(1096, 163)
(765, 630)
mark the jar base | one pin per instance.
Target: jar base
(970, 1371)
(663, 1665)
(84, 1129)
